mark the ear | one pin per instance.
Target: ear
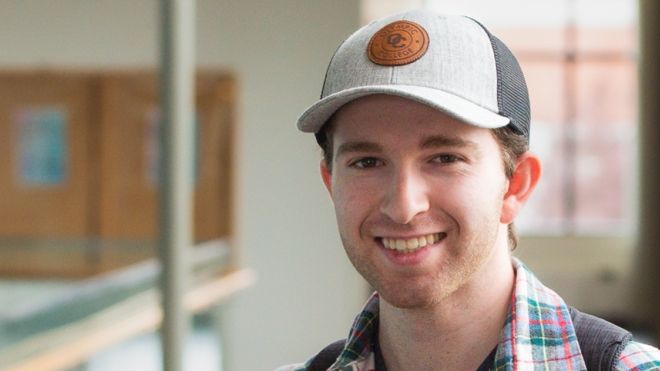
(326, 175)
(522, 183)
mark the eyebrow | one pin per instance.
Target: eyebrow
(357, 147)
(444, 141)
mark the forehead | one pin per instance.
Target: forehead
(381, 117)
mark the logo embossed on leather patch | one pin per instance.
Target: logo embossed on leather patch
(398, 43)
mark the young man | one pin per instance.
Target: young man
(424, 125)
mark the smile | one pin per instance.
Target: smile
(411, 244)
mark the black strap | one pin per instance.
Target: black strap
(327, 356)
(601, 343)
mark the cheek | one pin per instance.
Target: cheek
(353, 204)
(469, 199)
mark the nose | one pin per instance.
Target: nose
(406, 196)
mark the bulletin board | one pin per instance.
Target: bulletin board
(79, 157)
(130, 152)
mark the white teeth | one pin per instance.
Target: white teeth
(412, 244)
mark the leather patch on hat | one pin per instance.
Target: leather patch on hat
(398, 43)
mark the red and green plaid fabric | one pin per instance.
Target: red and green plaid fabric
(538, 335)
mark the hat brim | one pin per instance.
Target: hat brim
(315, 116)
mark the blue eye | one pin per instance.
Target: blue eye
(365, 163)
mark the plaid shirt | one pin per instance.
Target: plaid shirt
(538, 335)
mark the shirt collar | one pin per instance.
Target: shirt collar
(538, 331)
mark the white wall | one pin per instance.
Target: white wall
(307, 293)
(78, 33)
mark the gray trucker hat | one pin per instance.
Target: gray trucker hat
(451, 63)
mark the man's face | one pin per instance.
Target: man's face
(405, 175)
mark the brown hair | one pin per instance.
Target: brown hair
(512, 146)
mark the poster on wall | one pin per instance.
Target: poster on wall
(42, 148)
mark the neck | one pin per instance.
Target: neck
(459, 332)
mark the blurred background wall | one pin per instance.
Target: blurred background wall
(307, 291)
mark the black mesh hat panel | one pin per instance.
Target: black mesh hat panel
(512, 94)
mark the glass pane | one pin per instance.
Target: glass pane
(606, 137)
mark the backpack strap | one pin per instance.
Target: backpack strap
(325, 358)
(601, 342)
